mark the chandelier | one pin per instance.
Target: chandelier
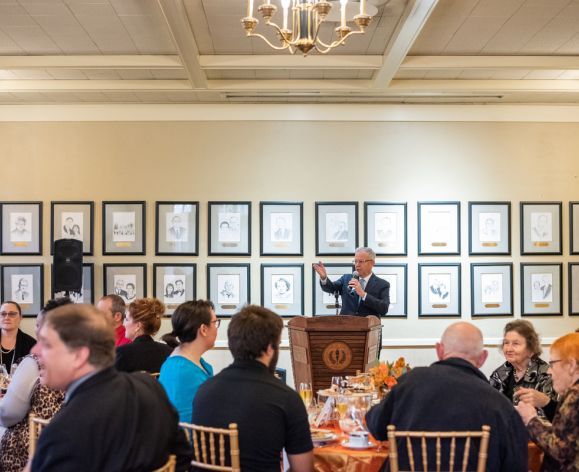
(306, 18)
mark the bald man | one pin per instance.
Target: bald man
(454, 395)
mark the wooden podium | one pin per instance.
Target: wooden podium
(327, 346)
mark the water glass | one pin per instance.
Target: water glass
(337, 383)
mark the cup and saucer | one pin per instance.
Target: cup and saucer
(358, 440)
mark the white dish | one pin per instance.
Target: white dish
(347, 444)
(325, 439)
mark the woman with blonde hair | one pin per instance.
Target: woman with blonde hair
(560, 438)
(142, 322)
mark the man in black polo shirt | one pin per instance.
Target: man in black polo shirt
(270, 416)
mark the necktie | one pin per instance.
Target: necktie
(363, 285)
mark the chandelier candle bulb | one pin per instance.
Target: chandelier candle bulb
(285, 5)
(250, 8)
(362, 7)
(343, 11)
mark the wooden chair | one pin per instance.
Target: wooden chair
(208, 441)
(35, 427)
(155, 375)
(169, 465)
(484, 436)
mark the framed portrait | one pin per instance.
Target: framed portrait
(281, 228)
(282, 288)
(21, 228)
(573, 289)
(228, 287)
(324, 303)
(72, 220)
(229, 228)
(336, 228)
(574, 228)
(439, 291)
(174, 284)
(489, 225)
(439, 228)
(491, 289)
(86, 294)
(177, 228)
(541, 289)
(24, 284)
(541, 231)
(124, 228)
(128, 281)
(397, 277)
(385, 228)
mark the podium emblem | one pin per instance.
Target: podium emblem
(337, 356)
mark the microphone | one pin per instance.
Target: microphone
(355, 276)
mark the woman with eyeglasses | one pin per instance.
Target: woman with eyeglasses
(195, 326)
(14, 343)
(142, 322)
(560, 438)
(524, 375)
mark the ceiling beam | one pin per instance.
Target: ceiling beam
(241, 62)
(94, 85)
(180, 28)
(412, 22)
(490, 62)
(91, 62)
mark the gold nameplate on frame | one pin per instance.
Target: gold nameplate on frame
(385, 245)
(441, 244)
(492, 305)
(229, 244)
(228, 307)
(541, 305)
(541, 244)
(123, 244)
(281, 307)
(489, 244)
(281, 245)
(336, 245)
(25, 305)
(20, 244)
(332, 307)
(440, 305)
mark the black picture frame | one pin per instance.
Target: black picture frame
(336, 234)
(573, 228)
(550, 241)
(536, 307)
(396, 309)
(235, 238)
(386, 242)
(87, 281)
(21, 228)
(32, 303)
(83, 208)
(285, 240)
(173, 273)
(138, 277)
(484, 239)
(323, 304)
(428, 231)
(134, 242)
(492, 306)
(239, 294)
(182, 240)
(453, 309)
(280, 302)
(573, 288)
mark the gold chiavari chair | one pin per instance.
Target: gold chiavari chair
(438, 436)
(35, 427)
(169, 465)
(208, 442)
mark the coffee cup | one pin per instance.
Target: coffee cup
(358, 439)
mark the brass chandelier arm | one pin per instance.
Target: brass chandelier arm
(337, 42)
(270, 44)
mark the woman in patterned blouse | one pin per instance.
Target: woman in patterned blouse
(559, 439)
(524, 375)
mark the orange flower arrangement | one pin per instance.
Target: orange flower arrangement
(386, 374)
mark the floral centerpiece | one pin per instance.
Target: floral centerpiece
(386, 374)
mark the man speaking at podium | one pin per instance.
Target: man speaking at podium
(363, 293)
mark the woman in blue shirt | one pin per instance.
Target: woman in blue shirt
(195, 326)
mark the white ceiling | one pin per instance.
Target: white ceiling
(191, 51)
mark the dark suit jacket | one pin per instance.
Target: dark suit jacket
(113, 422)
(377, 296)
(144, 353)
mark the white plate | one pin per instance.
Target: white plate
(347, 444)
(328, 438)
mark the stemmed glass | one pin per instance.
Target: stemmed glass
(337, 384)
(306, 393)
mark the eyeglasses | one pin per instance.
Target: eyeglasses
(552, 363)
(8, 314)
(217, 322)
(356, 261)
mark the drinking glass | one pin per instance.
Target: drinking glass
(4, 379)
(13, 368)
(306, 393)
(337, 383)
(341, 405)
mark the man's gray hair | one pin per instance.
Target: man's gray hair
(369, 251)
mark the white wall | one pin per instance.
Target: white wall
(306, 161)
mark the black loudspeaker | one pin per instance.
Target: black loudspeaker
(67, 265)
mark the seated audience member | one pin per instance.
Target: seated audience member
(559, 439)
(142, 322)
(195, 326)
(26, 395)
(270, 416)
(524, 374)
(111, 420)
(454, 395)
(14, 342)
(115, 306)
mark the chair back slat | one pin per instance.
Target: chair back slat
(169, 465)
(35, 427)
(444, 441)
(210, 446)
